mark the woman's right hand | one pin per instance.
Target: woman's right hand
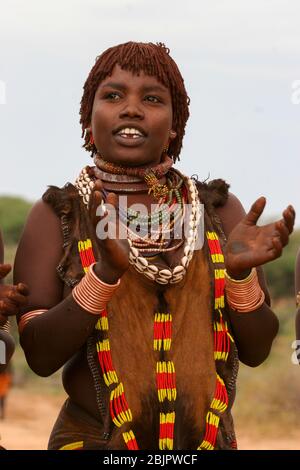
(114, 250)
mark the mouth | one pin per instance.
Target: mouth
(130, 136)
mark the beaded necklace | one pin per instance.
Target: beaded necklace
(165, 370)
(150, 175)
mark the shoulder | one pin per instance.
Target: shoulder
(231, 213)
(42, 222)
(217, 199)
(61, 200)
(39, 252)
(213, 193)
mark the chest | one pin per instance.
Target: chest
(132, 330)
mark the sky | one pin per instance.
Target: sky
(240, 61)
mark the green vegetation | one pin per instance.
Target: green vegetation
(267, 400)
(13, 213)
(280, 273)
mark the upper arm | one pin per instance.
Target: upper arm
(231, 214)
(38, 254)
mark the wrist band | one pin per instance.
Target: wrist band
(27, 317)
(92, 294)
(5, 326)
(244, 295)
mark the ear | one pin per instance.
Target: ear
(173, 134)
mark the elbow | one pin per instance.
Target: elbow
(261, 349)
(41, 368)
(254, 361)
(37, 358)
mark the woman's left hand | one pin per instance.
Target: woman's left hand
(249, 245)
(11, 297)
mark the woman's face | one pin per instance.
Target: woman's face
(132, 118)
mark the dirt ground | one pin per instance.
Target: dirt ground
(30, 417)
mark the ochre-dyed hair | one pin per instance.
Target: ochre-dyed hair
(153, 60)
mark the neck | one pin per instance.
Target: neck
(148, 178)
(158, 170)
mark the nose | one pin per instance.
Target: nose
(132, 109)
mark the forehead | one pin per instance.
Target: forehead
(128, 78)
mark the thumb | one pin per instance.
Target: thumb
(112, 200)
(255, 211)
(4, 270)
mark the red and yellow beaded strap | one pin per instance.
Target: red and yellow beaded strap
(165, 380)
(165, 370)
(118, 406)
(86, 254)
(222, 340)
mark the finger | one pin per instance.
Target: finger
(289, 218)
(17, 298)
(112, 199)
(277, 247)
(22, 288)
(8, 308)
(95, 200)
(255, 211)
(4, 270)
(283, 232)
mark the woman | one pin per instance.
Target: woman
(11, 298)
(140, 322)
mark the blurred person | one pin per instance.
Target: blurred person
(11, 298)
(149, 327)
(5, 384)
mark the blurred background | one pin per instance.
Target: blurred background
(240, 62)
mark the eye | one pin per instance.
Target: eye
(112, 96)
(153, 99)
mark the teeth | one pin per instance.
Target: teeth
(131, 131)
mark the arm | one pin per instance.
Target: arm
(253, 331)
(53, 337)
(49, 339)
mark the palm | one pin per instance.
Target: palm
(113, 249)
(250, 245)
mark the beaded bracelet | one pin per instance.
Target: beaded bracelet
(27, 317)
(244, 295)
(92, 294)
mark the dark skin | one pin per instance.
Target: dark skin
(136, 102)
(297, 290)
(11, 298)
